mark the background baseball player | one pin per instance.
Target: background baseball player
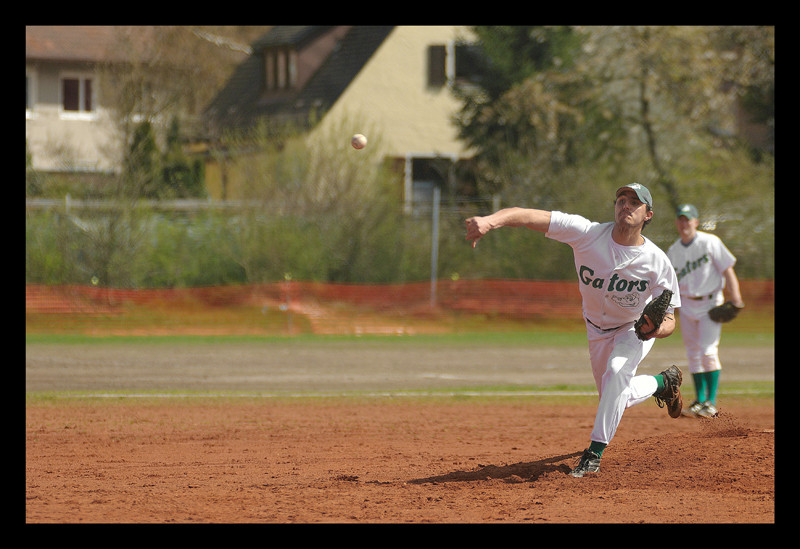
(619, 272)
(704, 267)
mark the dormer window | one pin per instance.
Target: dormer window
(280, 68)
(453, 63)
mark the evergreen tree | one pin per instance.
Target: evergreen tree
(142, 162)
(179, 178)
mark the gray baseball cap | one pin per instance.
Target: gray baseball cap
(641, 192)
(687, 210)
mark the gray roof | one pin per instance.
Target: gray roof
(243, 101)
(88, 44)
(289, 36)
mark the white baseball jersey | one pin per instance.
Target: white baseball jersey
(615, 281)
(700, 264)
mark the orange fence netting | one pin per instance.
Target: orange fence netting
(510, 298)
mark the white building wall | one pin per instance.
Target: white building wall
(66, 141)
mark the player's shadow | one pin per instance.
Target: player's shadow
(517, 472)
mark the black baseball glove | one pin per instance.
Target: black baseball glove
(656, 310)
(725, 312)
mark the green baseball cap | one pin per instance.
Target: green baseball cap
(687, 210)
(641, 192)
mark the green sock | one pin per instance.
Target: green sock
(660, 381)
(700, 386)
(712, 379)
(597, 448)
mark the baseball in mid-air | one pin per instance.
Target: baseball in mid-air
(358, 141)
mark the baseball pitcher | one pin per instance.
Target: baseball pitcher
(629, 292)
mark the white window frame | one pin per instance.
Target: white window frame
(30, 109)
(80, 114)
(269, 70)
(450, 62)
(450, 47)
(280, 66)
(410, 181)
(280, 69)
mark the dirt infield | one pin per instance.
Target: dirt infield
(376, 459)
(379, 460)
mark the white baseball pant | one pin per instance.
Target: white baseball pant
(615, 357)
(700, 334)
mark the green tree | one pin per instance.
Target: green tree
(514, 116)
(675, 89)
(179, 177)
(142, 164)
(313, 206)
(33, 180)
(607, 105)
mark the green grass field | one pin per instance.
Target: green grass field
(492, 338)
(215, 328)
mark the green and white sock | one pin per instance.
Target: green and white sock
(597, 448)
(701, 386)
(712, 381)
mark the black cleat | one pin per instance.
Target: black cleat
(589, 463)
(670, 395)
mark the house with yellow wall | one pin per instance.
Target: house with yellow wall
(391, 83)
